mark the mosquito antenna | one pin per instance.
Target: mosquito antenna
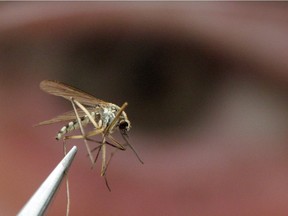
(105, 170)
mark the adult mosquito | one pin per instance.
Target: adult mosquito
(104, 116)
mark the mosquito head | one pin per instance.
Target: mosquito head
(124, 126)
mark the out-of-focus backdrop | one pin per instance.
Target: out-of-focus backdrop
(208, 101)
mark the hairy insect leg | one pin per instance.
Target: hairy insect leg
(106, 131)
(67, 195)
(122, 147)
(89, 134)
(86, 136)
(105, 171)
(116, 145)
(106, 182)
(103, 149)
(98, 152)
(100, 146)
(86, 112)
(106, 168)
(67, 182)
(82, 130)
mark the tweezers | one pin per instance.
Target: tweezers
(39, 202)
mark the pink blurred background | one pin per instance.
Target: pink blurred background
(207, 90)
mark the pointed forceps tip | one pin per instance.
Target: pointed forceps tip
(40, 201)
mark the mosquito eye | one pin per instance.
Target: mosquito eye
(123, 125)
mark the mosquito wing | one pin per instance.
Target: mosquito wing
(68, 116)
(63, 90)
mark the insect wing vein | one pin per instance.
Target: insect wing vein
(60, 89)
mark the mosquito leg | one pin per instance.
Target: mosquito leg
(108, 143)
(67, 182)
(106, 182)
(88, 139)
(121, 147)
(106, 168)
(103, 167)
(64, 147)
(82, 131)
(86, 112)
(93, 133)
(100, 146)
(105, 177)
(68, 195)
(116, 144)
(106, 131)
(98, 152)
(86, 136)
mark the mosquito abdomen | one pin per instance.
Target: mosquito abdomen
(74, 125)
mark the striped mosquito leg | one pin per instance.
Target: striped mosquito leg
(82, 130)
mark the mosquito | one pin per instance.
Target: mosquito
(104, 116)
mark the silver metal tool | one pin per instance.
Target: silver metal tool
(40, 201)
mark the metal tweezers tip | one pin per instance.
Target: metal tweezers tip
(39, 202)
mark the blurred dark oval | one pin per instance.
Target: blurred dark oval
(165, 83)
